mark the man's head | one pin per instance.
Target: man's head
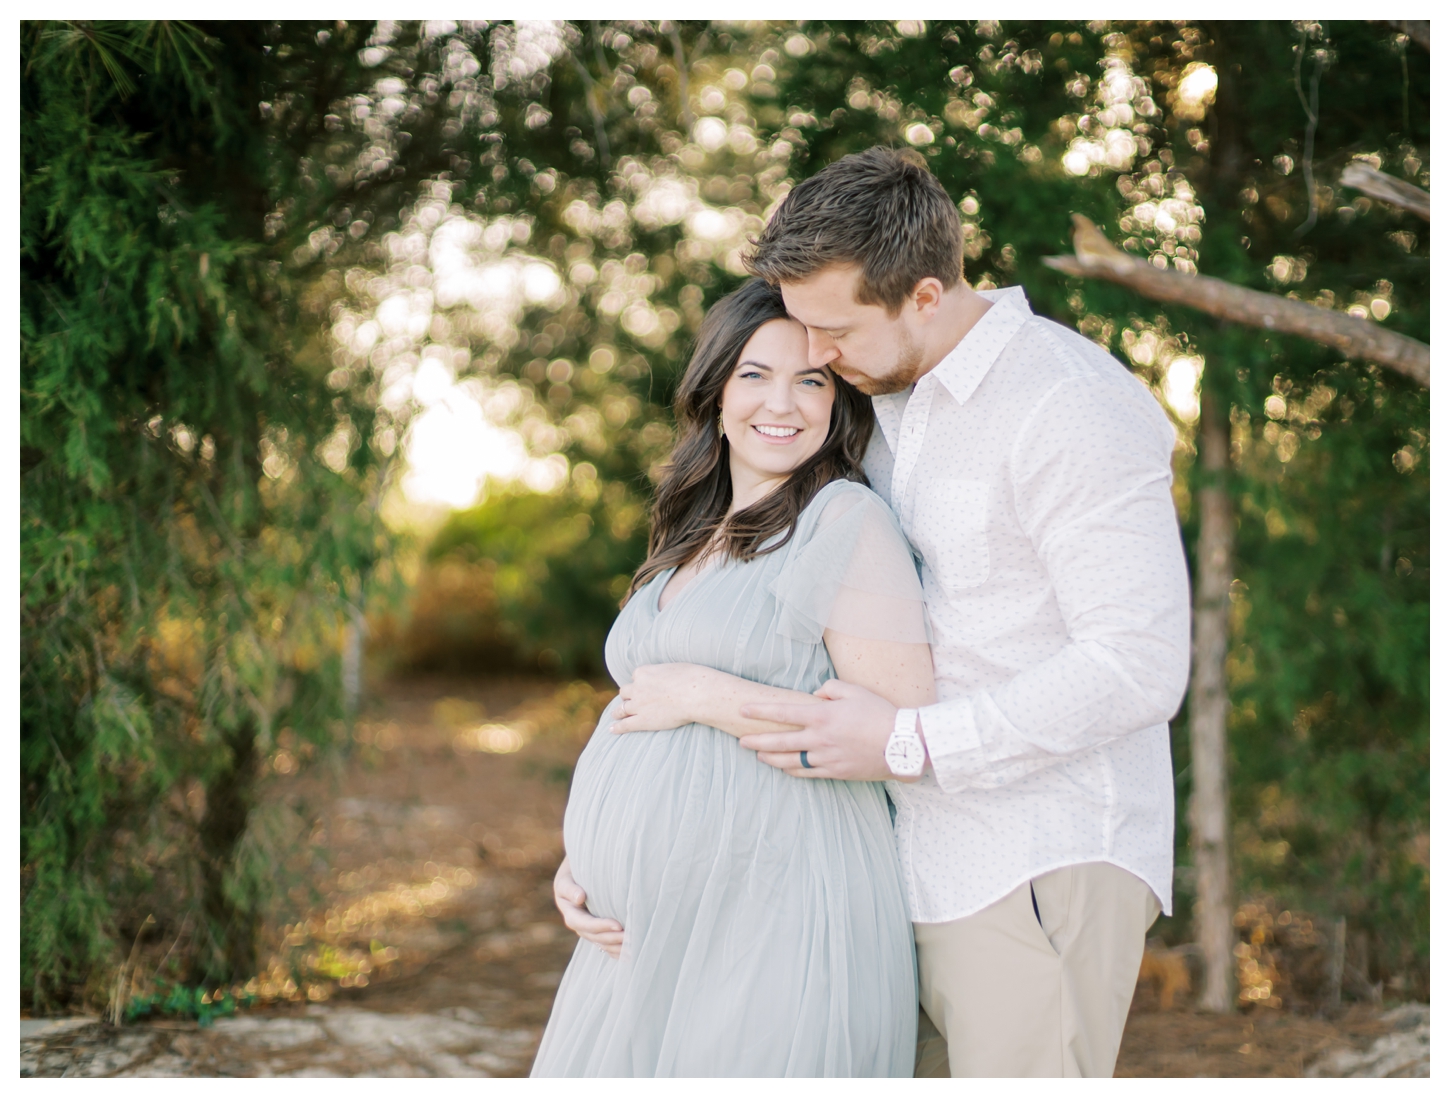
(863, 252)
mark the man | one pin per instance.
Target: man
(1031, 472)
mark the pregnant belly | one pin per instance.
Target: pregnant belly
(654, 811)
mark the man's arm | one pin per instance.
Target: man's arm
(874, 678)
(1091, 478)
(1124, 668)
(668, 695)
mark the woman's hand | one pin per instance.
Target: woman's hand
(607, 934)
(662, 696)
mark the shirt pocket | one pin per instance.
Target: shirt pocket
(951, 530)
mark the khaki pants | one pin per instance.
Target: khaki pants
(1016, 997)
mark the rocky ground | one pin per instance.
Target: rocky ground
(431, 947)
(1362, 1042)
(317, 1041)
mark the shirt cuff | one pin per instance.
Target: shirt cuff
(953, 740)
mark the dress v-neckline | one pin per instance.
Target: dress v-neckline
(709, 566)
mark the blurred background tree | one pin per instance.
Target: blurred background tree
(446, 274)
(194, 502)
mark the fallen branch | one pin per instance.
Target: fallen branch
(1386, 188)
(1352, 336)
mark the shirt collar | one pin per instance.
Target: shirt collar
(968, 362)
(888, 414)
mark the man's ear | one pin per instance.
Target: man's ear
(925, 297)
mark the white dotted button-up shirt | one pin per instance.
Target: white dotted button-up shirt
(1031, 472)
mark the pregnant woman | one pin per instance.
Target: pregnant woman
(765, 923)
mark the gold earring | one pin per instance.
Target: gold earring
(720, 425)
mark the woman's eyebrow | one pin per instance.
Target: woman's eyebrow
(757, 365)
(811, 370)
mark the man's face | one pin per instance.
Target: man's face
(870, 350)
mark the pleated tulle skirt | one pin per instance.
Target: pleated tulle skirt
(766, 927)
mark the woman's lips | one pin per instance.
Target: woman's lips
(785, 434)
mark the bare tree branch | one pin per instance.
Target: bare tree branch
(1352, 336)
(1310, 104)
(591, 97)
(687, 117)
(1417, 29)
(1386, 188)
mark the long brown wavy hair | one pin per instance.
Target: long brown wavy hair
(695, 492)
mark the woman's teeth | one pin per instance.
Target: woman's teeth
(778, 432)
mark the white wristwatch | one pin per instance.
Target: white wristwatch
(905, 753)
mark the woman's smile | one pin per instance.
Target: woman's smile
(775, 433)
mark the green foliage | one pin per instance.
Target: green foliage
(559, 565)
(189, 549)
(1331, 726)
(181, 1001)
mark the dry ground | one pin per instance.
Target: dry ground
(432, 946)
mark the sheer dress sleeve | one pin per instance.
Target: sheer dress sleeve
(852, 573)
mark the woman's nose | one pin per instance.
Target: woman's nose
(780, 398)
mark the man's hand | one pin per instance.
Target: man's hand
(845, 738)
(662, 696)
(607, 934)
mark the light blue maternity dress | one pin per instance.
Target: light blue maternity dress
(766, 924)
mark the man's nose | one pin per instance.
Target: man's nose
(821, 349)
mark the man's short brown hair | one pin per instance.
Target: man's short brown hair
(881, 210)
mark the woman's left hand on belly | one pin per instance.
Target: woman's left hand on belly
(607, 934)
(661, 696)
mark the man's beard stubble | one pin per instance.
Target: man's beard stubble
(901, 376)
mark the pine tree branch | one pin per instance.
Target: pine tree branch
(1386, 188)
(1352, 336)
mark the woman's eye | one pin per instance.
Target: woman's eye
(750, 374)
(815, 382)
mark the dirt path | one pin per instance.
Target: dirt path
(430, 945)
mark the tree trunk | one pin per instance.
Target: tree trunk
(231, 926)
(352, 657)
(1208, 724)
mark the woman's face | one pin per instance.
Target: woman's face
(776, 407)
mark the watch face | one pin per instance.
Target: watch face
(902, 760)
